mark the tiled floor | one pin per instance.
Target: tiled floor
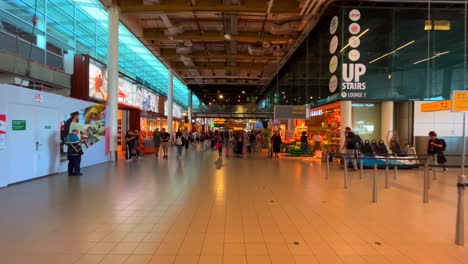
(250, 210)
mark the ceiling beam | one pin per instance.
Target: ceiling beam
(172, 54)
(249, 37)
(218, 66)
(177, 6)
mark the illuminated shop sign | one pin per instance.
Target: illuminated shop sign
(318, 112)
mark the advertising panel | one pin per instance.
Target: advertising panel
(149, 101)
(176, 109)
(97, 82)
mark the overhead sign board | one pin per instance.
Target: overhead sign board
(436, 106)
(460, 101)
(290, 112)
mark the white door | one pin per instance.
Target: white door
(21, 143)
(47, 141)
(33, 150)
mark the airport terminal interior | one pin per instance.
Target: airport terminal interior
(233, 131)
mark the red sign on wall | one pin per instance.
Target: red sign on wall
(2, 124)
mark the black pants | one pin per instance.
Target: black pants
(74, 162)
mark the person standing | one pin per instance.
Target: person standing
(165, 137)
(276, 143)
(74, 153)
(179, 143)
(350, 146)
(304, 143)
(156, 141)
(435, 148)
(186, 139)
(129, 140)
(219, 144)
(317, 139)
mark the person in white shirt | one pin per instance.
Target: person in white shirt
(317, 139)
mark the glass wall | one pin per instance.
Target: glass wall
(78, 27)
(403, 52)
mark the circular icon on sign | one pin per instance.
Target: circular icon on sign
(354, 55)
(333, 25)
(333, 84)
(344, 94)
(333, 64)
(354, 15)
(354, 28)
(354, 42)
(333, 44)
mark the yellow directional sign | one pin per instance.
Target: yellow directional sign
(436, 106)
(460, 101)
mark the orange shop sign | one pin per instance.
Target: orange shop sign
(436, 106)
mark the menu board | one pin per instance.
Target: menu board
(97, 82)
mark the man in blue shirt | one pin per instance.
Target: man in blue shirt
(74, 153)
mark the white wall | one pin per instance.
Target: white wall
(13, 95)
(444, 123)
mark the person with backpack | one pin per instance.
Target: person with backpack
(435, 148)
(351, 146)
(179, 143)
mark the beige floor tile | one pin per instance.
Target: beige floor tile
(256, 249)
(218, 259)
(234, 249)
(301, 259)
(146, 249)
(258, 259)
(157, 259)
(234, 260)
(124, 248)
(186, 259)
(170, 249)
(138, 259)
(114, 259)
(90, 259)
(102, 248)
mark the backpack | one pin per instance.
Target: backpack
(355, 139)
(444, 144)
(179, 141)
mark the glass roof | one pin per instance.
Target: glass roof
(86, 20)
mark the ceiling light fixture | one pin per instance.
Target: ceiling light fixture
(221, 96)
(392, 52)
(433, 57)
(227, 36)
(243, 92)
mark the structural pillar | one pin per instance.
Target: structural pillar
(170, 101)
(113, 80)
(387, 119)
(346, 119)
(290, 125)
(190, 109)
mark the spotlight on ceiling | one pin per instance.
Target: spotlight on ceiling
(266, 44)
(227, 36)
(243, 92)
(221, 96)
(188, 43)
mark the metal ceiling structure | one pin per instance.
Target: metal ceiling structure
(218, 45)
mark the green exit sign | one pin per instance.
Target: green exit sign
(18, 125)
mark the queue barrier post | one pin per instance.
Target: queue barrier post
(395, 167)
(374, 183)
(387, 184)
(327, 175)
(460, 227)
(361, 173)
(345, 172)
(426, 182)
(435, 168)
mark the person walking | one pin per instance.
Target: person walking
(156, 141)
(165, 137)
(74, 152)
(179, 143)
(219, 144)
(435, 148)
(350, 146)
(276, 143)
(185, 139)
(304, 144)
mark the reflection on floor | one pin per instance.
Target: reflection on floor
(240, 210)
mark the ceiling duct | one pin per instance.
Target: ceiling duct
(152, 2)
(284, 29)
(256, 51)
(183, 50)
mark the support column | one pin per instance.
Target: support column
(190, 109)
(346, 120)
(387, 119)
(290, 125)
(113, 80)
(170, 101)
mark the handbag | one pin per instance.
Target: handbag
(218, 145)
